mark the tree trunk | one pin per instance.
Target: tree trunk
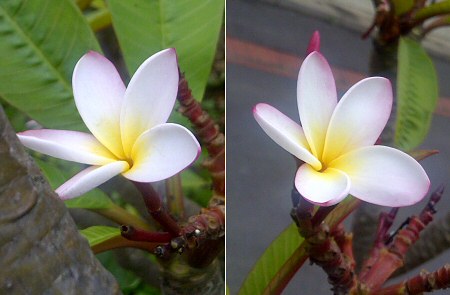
(41, 251)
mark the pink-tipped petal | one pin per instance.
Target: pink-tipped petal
(324, 188)
(384, 176)
(150, 96)
(285, 132)
(314, 43)
(359, 117)
(67, 145)
(99, 91)
(316, 98)
(90, 178)
(161, 152)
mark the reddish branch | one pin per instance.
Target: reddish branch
(424, 282)
(391, 25)
(323, 248)
(156, 210)
(204, 233)
(384, 224)
(140, 235)
(208, 132)
(333, 251)
(390, 257)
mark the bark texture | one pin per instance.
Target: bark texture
(41, 251)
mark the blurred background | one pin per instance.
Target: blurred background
(266, 42)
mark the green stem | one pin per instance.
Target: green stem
(439, 8)
(99, 19)
(174, 196)
(123, 217)
(121, 242)
(83, 4)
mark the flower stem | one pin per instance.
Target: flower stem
(155, 208)
(174, 196)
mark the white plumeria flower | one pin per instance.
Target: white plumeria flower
(336, 141)
(129, 130)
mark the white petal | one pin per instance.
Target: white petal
(324, 188)
(359, 117)
(90, 178)
(67, 145)
(316, 98)
(99, 91)
(285, 132)
(162, 152)
(150, 96)
(384, 176)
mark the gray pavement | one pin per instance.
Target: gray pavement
(259, 172)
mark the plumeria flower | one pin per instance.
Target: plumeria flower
(336, 141)
(129, 130)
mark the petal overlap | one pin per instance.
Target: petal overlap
(162, 152)
(359, 117)
(99, 91)
(322, 188)
(384, 176)
(288, 134)
(316, 99)
(152, 90)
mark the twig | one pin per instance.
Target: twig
(424, 282)
(136, 234)
(390, 257)
(434, 240)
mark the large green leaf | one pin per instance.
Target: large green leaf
(286, 254)
(144, 27)
(99, 234)
(417, 94)
(41, 41)
(268, 265)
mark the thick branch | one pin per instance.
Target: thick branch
(390, 257)
(209, 134)
(424, 282)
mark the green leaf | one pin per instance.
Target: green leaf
(145, 27)
(196, 188)
(99, 234)
(41, 41)
(276, 255)
(402, 6)
(94, 199)
(128, 281)
(417, 94)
